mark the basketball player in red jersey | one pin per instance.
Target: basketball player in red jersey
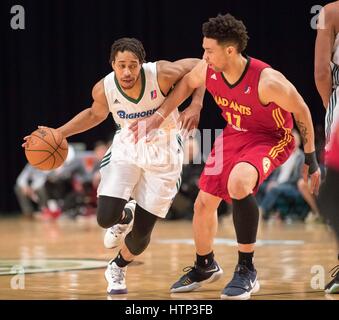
(257, 102)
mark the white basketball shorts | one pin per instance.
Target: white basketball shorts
(150, 172)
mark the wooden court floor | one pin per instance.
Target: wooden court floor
(292, 260)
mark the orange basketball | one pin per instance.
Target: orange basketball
(46, 149)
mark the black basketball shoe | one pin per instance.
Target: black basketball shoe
(196, 276)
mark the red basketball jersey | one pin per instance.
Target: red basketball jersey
(243, 110)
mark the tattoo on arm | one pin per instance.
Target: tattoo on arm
(303, 131)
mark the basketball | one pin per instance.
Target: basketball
(46, 149)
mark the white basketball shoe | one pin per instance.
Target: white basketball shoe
(115, 277)
(115, 235)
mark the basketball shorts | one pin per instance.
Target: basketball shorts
(332, 115)
(150, 172)
(261, 151)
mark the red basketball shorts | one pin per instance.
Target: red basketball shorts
(264, 152)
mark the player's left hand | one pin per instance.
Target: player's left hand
(189, 119)
(145, 127)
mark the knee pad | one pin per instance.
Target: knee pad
(109, 211)
(140, 236)
(137, 244)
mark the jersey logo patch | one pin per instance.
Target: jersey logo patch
(122, 114)
(214, 76)
(266, 164)
(116, 101)
(247, 90)
(154, 94)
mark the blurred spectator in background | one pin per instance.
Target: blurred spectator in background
(69, 190)
(30, 190)
(282, 194)
(100, 149)
(83, 200)
(59, 185)
(183, 203)
(182, 206)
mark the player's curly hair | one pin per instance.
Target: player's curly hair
(226, 29)
(128, 44)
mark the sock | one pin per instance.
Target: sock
(246, 259)
(205, 261)
(127, 216)
(120, 261)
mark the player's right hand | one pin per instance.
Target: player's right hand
(26, 138)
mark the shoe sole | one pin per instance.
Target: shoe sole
(195, 285)
(120, 291)
(244, 296)
(113, 291)
(333, 290)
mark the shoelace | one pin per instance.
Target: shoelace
(242, 269)
(117, 274)
(239, 274)
(118, 228)
(335, 271)
(188, 269)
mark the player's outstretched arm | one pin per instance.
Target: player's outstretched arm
(323, 53)
(274, 87)
(191, 81)
(169, 74)
(89, 117)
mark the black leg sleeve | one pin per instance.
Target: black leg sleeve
(109, 211)
(245, 219)
(140, 236)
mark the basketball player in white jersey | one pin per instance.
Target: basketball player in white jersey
(149, 171)
(326, 70)
(326, 75)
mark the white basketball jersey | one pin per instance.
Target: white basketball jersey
(335, 51)
(126, 110)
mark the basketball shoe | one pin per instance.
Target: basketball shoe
(115, 234)
(196, 276)
(115, 276)
(243, 283)
(333, 286)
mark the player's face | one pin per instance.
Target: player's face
(127, 69)
(215, 54)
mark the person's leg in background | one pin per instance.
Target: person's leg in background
(310, 199)
(25, 202)
(329, 204)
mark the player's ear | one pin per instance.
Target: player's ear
(230, 50)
